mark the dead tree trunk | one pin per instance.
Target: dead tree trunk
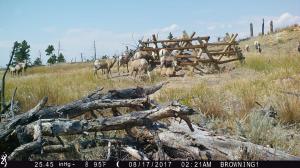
(180, 142)
(95, 54)
(263, 28)
(136, 98)
(3, 103)
(271, 27)
(251, 30)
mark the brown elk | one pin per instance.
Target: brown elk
(19, 68)
(12, 70)
(104, 65)
(138, 66)
(125, 58)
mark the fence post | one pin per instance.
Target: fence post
(271, 26)
(263, 28)
(251, 30)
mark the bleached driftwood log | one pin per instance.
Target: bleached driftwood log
(180, 142)
(148, 137)
(130, 97)
(58, 127)
(135, 153)
(95, 100)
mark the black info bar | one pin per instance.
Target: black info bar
(149, 164)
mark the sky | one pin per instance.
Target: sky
(114, 24)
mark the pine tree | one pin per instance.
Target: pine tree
(52, 59)
(170, 37)
(37, 61)
(61, 58)
(49, 52)
(22, 52)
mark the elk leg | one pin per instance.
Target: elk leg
(95, 72)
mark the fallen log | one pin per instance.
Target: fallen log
(131, 97)
(58, 127)
(167, 141)
(30, 134)
(94, 100)
(202, 144)
(24, 151)
(135, 153)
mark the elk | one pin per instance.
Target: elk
(168, 65)
(139, 54)
(172, 44)
(12, 70)
(20, 68)
(125, 58)
(105, 64)
(298, 46)
(247, 47)
(257, 46)
(139, 66)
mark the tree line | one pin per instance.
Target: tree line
(22, 54)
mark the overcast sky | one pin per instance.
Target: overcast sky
(113, 24)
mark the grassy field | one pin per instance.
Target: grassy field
(227, 101)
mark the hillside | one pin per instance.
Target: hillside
(229, 103)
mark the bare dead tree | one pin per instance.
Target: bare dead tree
(58, 48)
(251, 29)
(95, 54)
(40, 54)
(12, 103)
(271, 27)
(263, 28)
(3, 104)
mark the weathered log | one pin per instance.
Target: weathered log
(18, 120)
(57, 127)
(178, 40)
(206, 145)
(23, 118)
(24, 151)
(95, 100)
(30, 135)
(135, 153)
(59, 148)
(92, 101)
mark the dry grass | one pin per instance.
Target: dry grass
(62, 83)
(226, 101)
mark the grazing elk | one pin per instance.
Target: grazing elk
(19, 68)
(257, 46)
(168, 65)
(104, 65)
(125, 58)
(247, 48)
(138, 66)
(168, 62)
(12, 70)
(143, 54)
(172, 44)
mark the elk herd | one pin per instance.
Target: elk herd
(139, 62)
(18, 69)
(257, 46)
